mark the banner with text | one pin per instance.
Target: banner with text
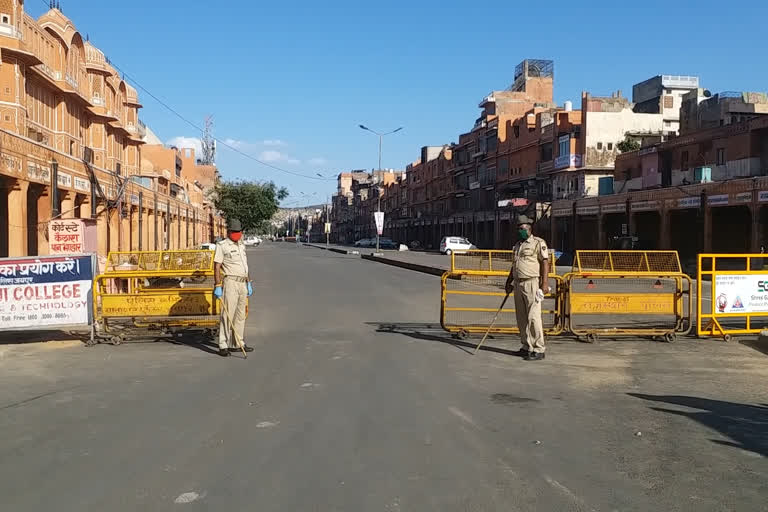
(44, 292)
(379, 217)
(741, 293)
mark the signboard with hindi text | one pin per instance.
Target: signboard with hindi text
(45, 291)
(71, 236)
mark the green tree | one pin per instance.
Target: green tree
(250, 201)
(628, 145)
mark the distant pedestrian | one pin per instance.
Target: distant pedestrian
(529, 280)
(233, 287)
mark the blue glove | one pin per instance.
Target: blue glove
(250, 289)
(218, 292)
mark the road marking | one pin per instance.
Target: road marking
(464, 416)
(187, 497)
(267, 424)
(566, 491)
(308, 385)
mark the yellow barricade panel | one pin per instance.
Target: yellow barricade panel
(470, 300)
(656, 262)
(162, 305)
(732, 294)
(637, 304)
(482, 261)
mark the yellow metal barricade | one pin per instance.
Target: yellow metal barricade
(630, 293)
(155, 289)
(732, 294)
(470, 299)
(482, 261)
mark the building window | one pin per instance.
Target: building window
(667, 123)
(564, 145)
(5, 19)
(721, 156)
(599, 145)
(610, 146)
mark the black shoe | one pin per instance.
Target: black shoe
(245, 347)
(535, 356)
(521, 353)
(223, 352)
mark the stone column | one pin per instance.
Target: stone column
(134, 221)
(102, 231)
(17, 219)
(601, 242)
(44, 212)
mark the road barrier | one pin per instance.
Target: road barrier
(737, 298)
(630, 293)
(470, 299)
(154, 290)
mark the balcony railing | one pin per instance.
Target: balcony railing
(71, 81)
(546, 166)
(10, 31)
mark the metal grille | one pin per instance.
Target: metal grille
(190, 261)
(471, 301)
(664, 262)
(482, 261)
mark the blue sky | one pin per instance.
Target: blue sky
(291, 81)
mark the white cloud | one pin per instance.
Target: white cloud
(317, 161)
(187, 142)
(273, 142)
(273, 156)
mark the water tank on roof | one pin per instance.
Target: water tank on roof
(568, 106)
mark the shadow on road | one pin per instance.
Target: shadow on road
(434, 332)
(755, 345)
(22, 337)
(199, 342)
(746, 425)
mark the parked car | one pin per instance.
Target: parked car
(451, 244)
(364, 242)
(387, 243)
(252, 241)
(208, 247)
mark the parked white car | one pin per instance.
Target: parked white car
(451, 244)
(252, 241)
(208, 247)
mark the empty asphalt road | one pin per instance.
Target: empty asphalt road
(354, 400)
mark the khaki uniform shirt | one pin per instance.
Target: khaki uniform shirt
(232, 257)
(529, 254)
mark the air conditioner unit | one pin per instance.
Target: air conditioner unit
(702, 175)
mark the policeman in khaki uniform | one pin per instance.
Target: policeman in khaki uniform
(528, 279)
(233, 287)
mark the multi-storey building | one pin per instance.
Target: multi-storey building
(71, 143)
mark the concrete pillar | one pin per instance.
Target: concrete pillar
(114, 230)
(601, 238)
(102, 231)
(754, 211)
(125, 229)
(44, 208)
(707, 229)
(17, 219)
(67, 204)
(134, 223)
(85, 208)
(665, 241)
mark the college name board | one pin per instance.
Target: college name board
(742, 293)
(45, 291)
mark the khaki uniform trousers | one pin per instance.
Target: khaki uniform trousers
(235, 299)
(528, 313)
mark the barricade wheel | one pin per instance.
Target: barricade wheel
(462, 334)
(116, 340)
(727, 337)
(670, 337)
(591, 337)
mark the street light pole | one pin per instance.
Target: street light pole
(378, 194)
